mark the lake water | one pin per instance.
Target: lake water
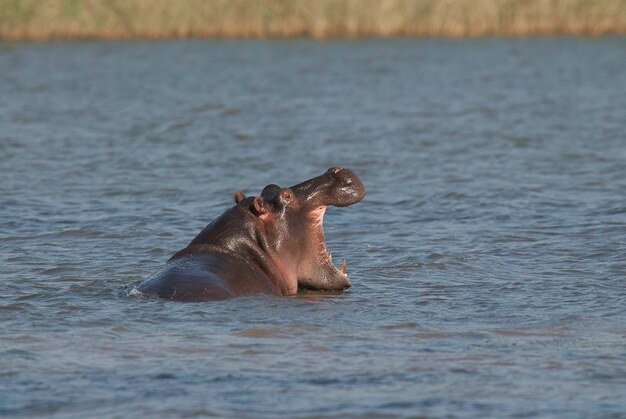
(488, 259)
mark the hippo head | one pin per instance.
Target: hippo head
(290, 226)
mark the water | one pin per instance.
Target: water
(488, 259)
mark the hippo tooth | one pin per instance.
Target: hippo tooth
(344, 266)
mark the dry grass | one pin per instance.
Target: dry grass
(115, 19)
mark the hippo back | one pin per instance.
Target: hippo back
(207, 275)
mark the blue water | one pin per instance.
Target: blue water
(488, 260)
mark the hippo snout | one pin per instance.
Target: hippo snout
(339, 187)
(348, 188)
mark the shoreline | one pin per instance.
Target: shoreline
(47, 20)
(5, 40)
(88, 36)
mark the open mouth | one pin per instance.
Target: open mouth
(325, 252)
(338, 187)
(326, 275)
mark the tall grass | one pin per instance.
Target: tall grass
(112, 19)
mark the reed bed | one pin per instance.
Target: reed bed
(128, 19)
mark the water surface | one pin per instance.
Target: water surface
(488, 259)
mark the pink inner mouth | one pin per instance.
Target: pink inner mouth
(317, 226)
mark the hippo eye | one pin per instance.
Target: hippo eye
(286, 196)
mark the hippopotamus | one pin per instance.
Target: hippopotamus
(271, 244)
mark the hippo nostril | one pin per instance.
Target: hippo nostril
(341, 175)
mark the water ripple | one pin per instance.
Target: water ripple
(489, 249)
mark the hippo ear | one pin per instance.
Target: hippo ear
(260, 205)
(239, 196)
(270, 191)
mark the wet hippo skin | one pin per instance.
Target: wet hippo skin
(272, 244)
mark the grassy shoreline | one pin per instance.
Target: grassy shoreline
(159, 19)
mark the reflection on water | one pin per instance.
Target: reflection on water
(487, 261)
